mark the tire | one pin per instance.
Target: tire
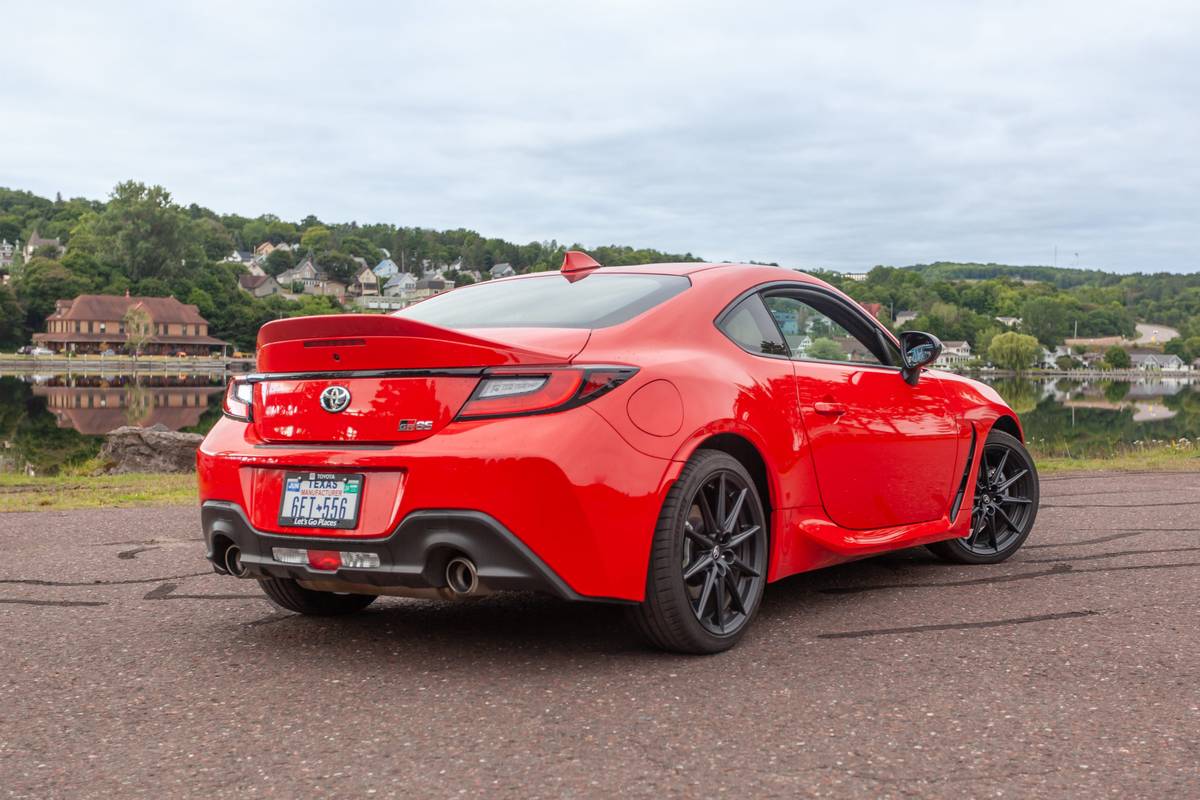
(291, 596)
(1001, 518)
(709, 610)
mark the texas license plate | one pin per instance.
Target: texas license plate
(320, 500)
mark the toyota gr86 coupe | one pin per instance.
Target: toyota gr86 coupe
(671, 437)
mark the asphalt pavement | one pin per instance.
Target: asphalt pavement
(128, 669)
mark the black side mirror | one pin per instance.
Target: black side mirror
(918, 349)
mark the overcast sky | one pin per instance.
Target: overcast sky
(835, 134)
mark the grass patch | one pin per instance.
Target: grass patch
(1161, 459)
(76, 489)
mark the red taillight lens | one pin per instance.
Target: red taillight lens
(511, 392)
(239, 400)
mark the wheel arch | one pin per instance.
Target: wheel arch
(1009, 424)
(748, 454)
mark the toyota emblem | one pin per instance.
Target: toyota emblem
(335, 399)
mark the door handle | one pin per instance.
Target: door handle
(829, 409)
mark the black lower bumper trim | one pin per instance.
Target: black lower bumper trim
(413, 556)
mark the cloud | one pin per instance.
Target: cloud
(839, 135)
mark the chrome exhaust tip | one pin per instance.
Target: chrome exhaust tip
(461, 576)
(233, 562)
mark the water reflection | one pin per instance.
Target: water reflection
(49, 421)
(1096, 417)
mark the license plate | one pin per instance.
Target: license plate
(320, 500)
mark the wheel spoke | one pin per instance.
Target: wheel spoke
(744, 568)
(699, 566)
(1007, 519)
(743, 536)
(720, 593)
(1011, 480)
(730, 521)
(720, 505)
(697, 536)
(711, 528)
(706, 592)
(978, 526)
(735, 597)
(1008, 498)
(1000, 467)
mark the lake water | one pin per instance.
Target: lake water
(47, 421)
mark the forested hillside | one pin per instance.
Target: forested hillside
(141, 240)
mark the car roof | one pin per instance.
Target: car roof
(686, 268)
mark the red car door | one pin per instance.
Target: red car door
(884, 450)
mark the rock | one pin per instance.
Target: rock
(153, 449)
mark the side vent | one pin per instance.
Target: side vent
(962, 485)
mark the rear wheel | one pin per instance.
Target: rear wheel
(708, 562)
(291, 596)
(1005, 506)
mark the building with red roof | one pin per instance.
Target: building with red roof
(93, 323)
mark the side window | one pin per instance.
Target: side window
(814, 335)
(749, 324)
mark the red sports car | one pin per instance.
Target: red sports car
(671, 436)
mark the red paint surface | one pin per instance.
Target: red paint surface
(874, 467)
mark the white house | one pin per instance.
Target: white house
(954, 354)
(386, 269)
(240, 257)
(502, 270)
(1166, 362)
(400, 284)
(903, 317)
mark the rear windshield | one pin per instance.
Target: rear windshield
(595, 301)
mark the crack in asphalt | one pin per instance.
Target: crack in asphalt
(24, 602)
(36, 582)
(1109, 476)
(1126, 533)
(1062, 569)
(1115, 554)
(126, 555)
(958, 626)
(167, 592)
(1123, 505)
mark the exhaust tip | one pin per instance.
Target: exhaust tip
(233, 562)
(461, 576)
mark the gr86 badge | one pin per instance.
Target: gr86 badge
(416, 425)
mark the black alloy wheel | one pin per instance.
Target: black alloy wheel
(709, 558)
(1005, 505)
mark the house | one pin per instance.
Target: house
(240, 257)
(93, 323)
(36, 242)
(872, 308)
(300, 278)
(7, 251)
(1050, 357)
(365, 284)
(265, 249)
(386, 269)
(259, 285)
(1166, 362)
(954, 354)
(378, 303)
(1009, 322)
(327, 287)
(855, 276)
(254, 268)
(400, 284)
(502, 270)
(904, 317)
(427, 287)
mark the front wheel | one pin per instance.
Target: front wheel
(291, 596)
(708, 561)
(1005, 506)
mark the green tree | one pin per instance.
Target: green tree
(12, 320)
(1012, 350)
(139, 329)
(317, 238)
(1047, 319)
(41, 283)
(278, 261)
(1117, 357)
(824, 349)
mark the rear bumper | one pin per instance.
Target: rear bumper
(414, 556)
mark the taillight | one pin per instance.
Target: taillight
(513, 391)
(239, 400)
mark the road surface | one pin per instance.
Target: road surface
(130, 670)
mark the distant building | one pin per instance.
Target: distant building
(1009, 322)
(365, 284)
(855, 276)
(502, 270)
(400, 284)
(428, 287)
(954, 354)
(378, 303)
(253, 268)
(1166, 362)
(872, 308)
(386, 269)
(240, 257)
(93, 323)
(8, 251)
(259, 285)
(305, 275)
(36, 242)
(904, 317)
(265, 249)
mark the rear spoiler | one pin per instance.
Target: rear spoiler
(341, 342)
